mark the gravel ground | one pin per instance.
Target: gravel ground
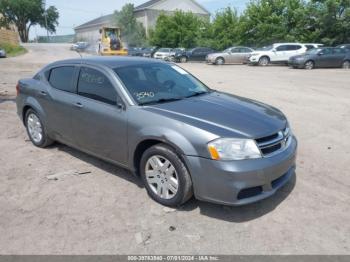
(96, 208)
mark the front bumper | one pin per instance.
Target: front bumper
(296, 63)
(244, 181)
(211, 60)
(253, 60)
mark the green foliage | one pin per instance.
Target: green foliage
(12, 50)
(262, 23)
(132, 31)
(26, 13)
(178, 30)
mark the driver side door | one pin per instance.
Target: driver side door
(99, 117)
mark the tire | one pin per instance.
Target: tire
(220, 61)
(346, 64)
(264, 61)
(309, 65)
(183, 59)
(36, 130)
(155, 168)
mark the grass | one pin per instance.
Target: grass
(13, 50)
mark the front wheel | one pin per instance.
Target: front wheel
(183, 59)
(165, 176)
(219, 61)
(36, 130)
(264, 61)
(346, 64)
(309, 65)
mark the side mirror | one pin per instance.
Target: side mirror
(320, 53)
(274, 50)
(120, 104)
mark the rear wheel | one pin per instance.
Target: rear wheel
(220, 61)
(264, 61)
(165, 176)
(346, 64)
(309, 65)
(36, 129)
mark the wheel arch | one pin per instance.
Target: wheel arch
(220, 57)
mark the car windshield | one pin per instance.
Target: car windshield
(265, 48)
(313, 51)
(159, 82)
(228, 50)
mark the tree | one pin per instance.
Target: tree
(330, 23)
(225, 29)
(268, 21)
(178, 30)
(133, 32)
(26, 13)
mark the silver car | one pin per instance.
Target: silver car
(157, 120)
(2, 53)
(232, 55)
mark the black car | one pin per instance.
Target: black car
(322, 57)
(149, 51)
(136, 51)
(194, 54)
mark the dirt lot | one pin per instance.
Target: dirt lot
(108, 212)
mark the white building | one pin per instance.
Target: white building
(146, 14)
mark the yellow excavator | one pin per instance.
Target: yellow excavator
(110, 42)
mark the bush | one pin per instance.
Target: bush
(12, 49)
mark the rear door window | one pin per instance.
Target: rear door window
(61, 78)
(95, 85)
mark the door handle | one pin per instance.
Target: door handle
(43, 93)
(78, 104)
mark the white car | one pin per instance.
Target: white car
(163, 53)
(310, 46)
(276, 53)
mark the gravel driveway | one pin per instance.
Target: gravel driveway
(61, 201)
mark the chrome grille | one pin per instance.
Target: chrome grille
(274, 143)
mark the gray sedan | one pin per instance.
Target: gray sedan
(322, 57)
(232, 55)
(163, 124)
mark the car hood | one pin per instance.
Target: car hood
(224, 115)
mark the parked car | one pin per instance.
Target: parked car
(135, 51)
(276, 53)
(238, 54)
(312, 45)
(163, 53)
(79, 46)
(149, 51)
(194, 54)
(163, 124)
(321, 57)
(175, 52)
(2, 53)
(346, 46)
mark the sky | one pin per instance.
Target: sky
(76, 12)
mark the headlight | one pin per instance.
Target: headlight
(233, 149)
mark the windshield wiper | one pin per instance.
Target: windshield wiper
(162, 100)
(197, 94)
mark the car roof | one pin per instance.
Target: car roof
(111, 62)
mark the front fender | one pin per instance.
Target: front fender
(165, 135)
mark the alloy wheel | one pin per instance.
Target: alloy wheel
(161, 177)
(346, 65)
(34, 128)
(309, 65)
(220, 61)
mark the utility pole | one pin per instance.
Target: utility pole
(43, 3)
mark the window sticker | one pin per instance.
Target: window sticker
(143, 95)
(179, 69)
